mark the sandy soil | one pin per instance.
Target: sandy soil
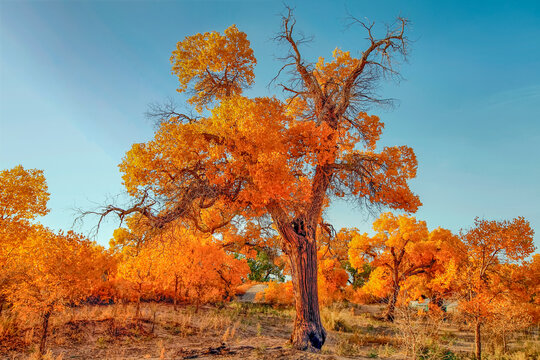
(236, 330)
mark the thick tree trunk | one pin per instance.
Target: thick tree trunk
(390, 310)
(477, 341)
(45, 330)
(308, 332)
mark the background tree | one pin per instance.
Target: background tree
(400, 249)
(137, 266)
(23, 194)
(265, 267)
(23, 197)
(171, 262)
(210, 274)
(194, 264)
(439, 282)
(53, 271)
(486, 278)
(332, 278)
(336, 245)
(249, 159)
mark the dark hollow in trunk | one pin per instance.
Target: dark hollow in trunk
(45, 328)
(308, 332)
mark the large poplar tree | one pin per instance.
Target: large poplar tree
(240, 160)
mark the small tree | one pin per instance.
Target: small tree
(264, 267)
(40, 271)
(152, 261)
(400, 249)
(23, 197)
(485, 280)
(209, 273)
(440, 281)
(53, 271)
(332, 278)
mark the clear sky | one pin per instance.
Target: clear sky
(76, 78)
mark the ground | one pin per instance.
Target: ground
(239, 330)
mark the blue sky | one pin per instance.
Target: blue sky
(76, 78)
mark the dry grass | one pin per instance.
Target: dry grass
(242, 331)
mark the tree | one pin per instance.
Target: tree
(23, 194)
(249, 159)
(138, 267)
(154, 261)
(264, 267)
(276, 294)
(171, 265)
(23, 197)
(332, 278)
(53, 271)
(400, 249)
(486, 278)
(440, 281)
(336, 246)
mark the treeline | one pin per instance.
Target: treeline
(488, 269)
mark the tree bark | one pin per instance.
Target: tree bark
(45, 328)
(138, 305)
(175, 300)
(477, 341)
(308, 332)
(390, 310)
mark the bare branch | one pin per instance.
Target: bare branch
(162, 112)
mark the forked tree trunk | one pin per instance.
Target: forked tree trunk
(390, 310)
(477, 341)
(45, 330)
(308, 332)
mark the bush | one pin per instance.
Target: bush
(276, 294)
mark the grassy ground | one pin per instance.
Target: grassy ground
(242, 331)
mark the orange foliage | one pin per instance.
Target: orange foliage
(332, 278)
(493, 248)
(218, 65)
(23, 194)
(402, 248)
(250, 153)
(277, 294)
(440, 281)
(53, 271)
(491, 275)
(191, 266)
(23, 197)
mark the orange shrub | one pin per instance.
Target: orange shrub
(277, 294)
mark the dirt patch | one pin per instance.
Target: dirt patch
(238, 330)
